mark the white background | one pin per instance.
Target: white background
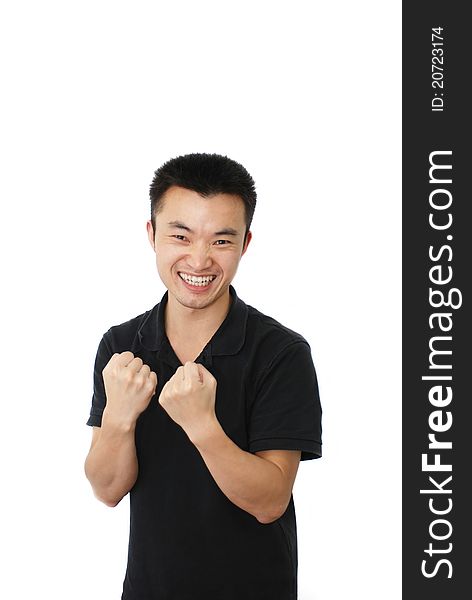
(96, 96)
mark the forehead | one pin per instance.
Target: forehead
(187, 205)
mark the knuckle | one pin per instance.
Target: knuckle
(111, 362)
(128, 375)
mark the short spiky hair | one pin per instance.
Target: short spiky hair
(207, 174)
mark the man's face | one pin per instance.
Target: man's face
(198, 237)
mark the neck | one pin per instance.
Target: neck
(197, 324)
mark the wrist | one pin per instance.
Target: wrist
(117, 422)
(207, 430)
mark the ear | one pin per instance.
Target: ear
(248, 239)
(150, 233)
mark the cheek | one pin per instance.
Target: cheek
(167, 255)
(164, 263)
(229, 262)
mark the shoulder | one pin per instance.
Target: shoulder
(269, 338)
(269, 329)
(126, 335)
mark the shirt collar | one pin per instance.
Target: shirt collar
(228, 339)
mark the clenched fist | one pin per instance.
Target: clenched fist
(129, 386)
(189, 398)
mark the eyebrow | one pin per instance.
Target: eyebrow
(225, 231)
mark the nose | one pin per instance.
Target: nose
(199, 257)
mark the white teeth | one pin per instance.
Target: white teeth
(197, 281)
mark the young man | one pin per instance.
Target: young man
(203, 407)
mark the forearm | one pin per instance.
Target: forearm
(249, 481)
(111, 465)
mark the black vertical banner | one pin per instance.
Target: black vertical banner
(437, 255)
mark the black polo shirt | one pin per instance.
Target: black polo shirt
(188, 541)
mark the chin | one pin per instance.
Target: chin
(189, 302)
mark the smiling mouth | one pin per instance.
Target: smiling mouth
(197, 281)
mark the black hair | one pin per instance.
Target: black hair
(207, 174)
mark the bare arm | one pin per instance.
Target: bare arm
(260, 484)
(111, 465)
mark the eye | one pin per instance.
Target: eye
(225, 242)
(179, 237)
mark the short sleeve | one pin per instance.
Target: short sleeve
(104, 354)
(286, 414)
